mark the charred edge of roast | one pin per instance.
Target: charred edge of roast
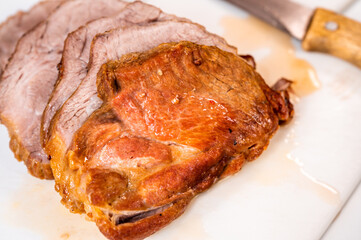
(249, 59)
(284, 87)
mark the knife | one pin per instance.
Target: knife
(319, 29)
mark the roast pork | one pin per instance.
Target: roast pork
(174, 120)
(112, 45)
(29, 78)
(74, 64)
(15, 26)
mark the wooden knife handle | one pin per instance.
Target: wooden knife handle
(334, 34)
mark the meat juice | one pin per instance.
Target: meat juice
(275, 58)
(36, 208)
(273, 51)
(279, 165)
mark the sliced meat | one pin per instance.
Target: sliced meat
(29, 78)
(15, 26)
(77, 48)
(175, 120)
(113, 45)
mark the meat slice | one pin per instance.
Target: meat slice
(175, 119)
(74, 65)
(29, 77)
(15, 26)
(112, 45)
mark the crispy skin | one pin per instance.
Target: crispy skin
(175, 120)
(112, 45)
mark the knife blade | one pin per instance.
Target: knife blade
(319, 29)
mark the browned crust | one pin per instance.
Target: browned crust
(177, 183)
(35, 168)
(46, 134)
(51, 137)
(148, 226)
(34, 165)
(145, 227)
(279, 101)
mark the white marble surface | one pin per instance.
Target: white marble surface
(347, 224)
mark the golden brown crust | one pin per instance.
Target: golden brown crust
(281, 104)
(145, 227)
(23, 22)
(175, 120)
(35, 168)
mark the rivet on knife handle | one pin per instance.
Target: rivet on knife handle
(335, 34)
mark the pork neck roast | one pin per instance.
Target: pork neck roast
(75, 65)
(28, 79)
(15, 26)
(174, 120)
(112, 45)
(131, 110)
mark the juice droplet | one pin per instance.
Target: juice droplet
(278, 166)
(36, 206)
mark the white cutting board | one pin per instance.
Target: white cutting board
(264, 200)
